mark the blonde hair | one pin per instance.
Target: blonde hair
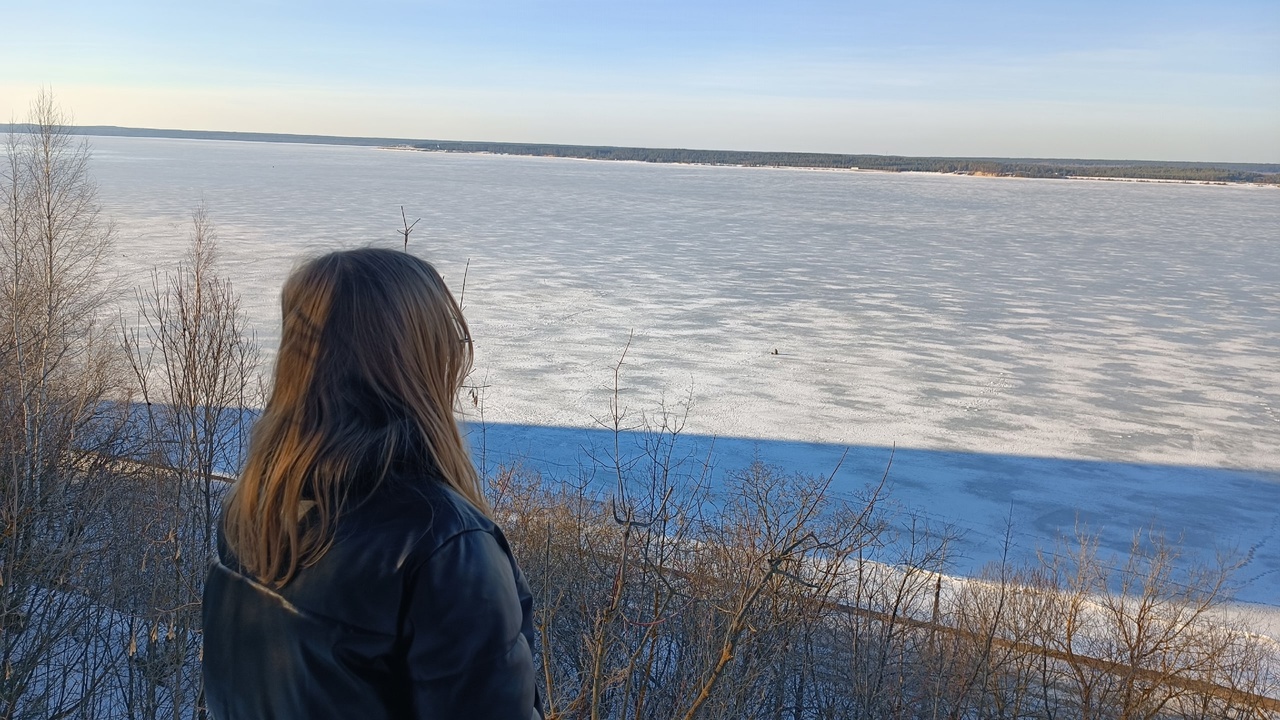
(373, 351)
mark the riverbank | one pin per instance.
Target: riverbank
(1046, 168)
(1215, 173)
(814, 168)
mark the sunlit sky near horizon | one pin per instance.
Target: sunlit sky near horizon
(1132, 80)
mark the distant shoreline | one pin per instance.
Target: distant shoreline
(1174, 172)
(810, 168)
(1254, 174)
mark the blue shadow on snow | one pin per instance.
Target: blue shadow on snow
(1203, 509)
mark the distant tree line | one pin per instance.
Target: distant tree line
(1264, 173)
(1137, 170)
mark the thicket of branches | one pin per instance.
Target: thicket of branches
(664, 589)
(761, 595)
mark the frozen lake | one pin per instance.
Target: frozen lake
(1054, 349)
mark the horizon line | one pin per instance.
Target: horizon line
(378, 141)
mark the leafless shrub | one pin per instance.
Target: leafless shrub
(1148, 639)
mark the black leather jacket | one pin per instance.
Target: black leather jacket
(418, 610)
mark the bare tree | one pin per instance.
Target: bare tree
(195, 365)
(56, 376)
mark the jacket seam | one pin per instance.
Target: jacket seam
(292, 607)
(441, 545)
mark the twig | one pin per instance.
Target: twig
(408, 227)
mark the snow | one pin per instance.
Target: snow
(1207, 510)
(1042, 352)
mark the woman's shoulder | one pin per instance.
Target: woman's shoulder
(417, 512)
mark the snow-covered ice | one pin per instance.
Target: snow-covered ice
(1052, 351)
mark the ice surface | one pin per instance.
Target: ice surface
(1067, 349)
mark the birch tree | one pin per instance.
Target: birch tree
(56, 374)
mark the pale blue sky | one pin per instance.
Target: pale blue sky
(1150, 80)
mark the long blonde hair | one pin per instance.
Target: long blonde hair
(373, 352)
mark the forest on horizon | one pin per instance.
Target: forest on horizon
(1167, 171)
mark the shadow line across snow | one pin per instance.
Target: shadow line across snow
(1206, 510)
